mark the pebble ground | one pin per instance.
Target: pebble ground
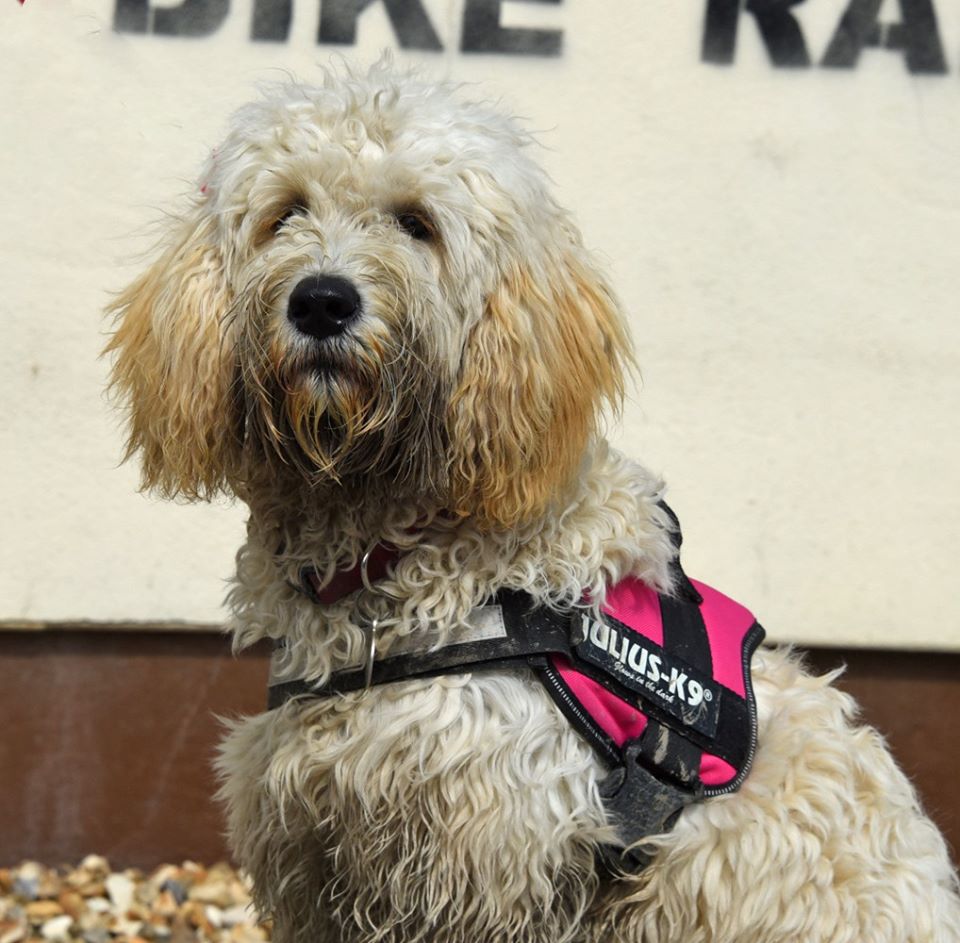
(92, 903)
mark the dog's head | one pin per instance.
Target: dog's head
(372, 282)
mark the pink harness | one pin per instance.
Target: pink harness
(637, 606)
(659, 685)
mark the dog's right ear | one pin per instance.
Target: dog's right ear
(175, 366)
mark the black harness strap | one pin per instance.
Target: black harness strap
(684, 635)
(533, 634)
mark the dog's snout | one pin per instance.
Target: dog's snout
(323, 305)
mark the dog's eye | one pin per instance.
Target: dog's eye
(295, 209)
(416, 224)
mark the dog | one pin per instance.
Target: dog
(375, 326)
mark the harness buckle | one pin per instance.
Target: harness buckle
(639, 805)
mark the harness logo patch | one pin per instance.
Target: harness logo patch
(644, 667)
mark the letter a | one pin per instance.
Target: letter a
(916, 36)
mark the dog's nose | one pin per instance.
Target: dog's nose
(323, 305)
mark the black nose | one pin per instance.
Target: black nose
(323, 305)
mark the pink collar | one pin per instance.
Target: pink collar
(377, 562)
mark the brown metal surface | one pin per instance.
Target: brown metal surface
(107, 738)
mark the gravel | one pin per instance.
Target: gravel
(92, 903)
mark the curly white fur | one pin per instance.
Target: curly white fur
(457, 419)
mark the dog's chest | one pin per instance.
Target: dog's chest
(399, 802)
(421, 762)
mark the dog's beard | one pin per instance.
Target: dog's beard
(348, 408)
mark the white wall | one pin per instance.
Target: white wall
(783, 238)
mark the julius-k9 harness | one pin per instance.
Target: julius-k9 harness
(658, 685)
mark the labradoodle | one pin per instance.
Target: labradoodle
(375, 326)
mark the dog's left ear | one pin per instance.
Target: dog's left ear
(549, 351)
(175, 366)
